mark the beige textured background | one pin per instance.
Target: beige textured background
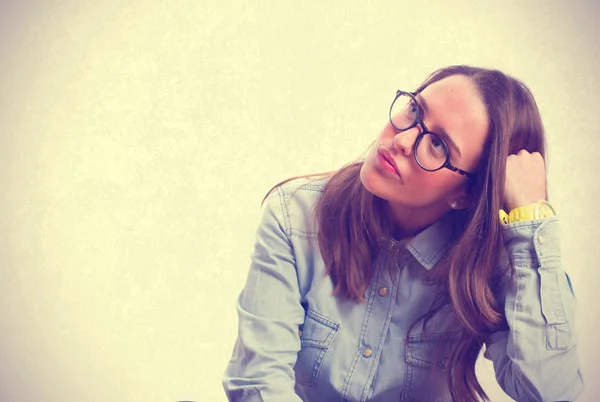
(138, 139)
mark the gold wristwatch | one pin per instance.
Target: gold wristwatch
(539, 210)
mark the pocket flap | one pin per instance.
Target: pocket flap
(421, 350)
(317, 330)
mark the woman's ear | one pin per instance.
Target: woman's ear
(462, 202)
(463, 198)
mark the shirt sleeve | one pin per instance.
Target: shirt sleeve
(536, 359)
(269, 316)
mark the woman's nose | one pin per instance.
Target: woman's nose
(404, 141)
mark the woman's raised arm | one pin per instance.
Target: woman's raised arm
(536, 360)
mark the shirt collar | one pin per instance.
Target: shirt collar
(431, 244)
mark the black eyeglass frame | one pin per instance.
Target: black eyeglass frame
(419, 120)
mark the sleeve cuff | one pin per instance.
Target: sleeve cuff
(537, 238)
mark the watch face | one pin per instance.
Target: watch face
(543, 209)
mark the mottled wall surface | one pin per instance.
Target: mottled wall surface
(138, 139)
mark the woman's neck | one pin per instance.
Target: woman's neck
(409, 221)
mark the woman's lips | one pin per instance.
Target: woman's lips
(387, 165)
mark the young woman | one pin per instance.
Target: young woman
(384, 280)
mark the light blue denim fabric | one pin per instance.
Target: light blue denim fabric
(297, 341)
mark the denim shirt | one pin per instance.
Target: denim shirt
(298, 342)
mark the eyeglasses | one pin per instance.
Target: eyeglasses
(430, 150)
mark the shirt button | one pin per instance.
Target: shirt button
(383, 291)
(367, 352)
(541, 239)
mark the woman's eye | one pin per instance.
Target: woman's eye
(412, 107)
(437, 145)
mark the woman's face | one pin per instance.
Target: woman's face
(453, 105)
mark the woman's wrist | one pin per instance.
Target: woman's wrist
(537, 210)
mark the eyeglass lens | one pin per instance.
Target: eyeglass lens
(430, 151)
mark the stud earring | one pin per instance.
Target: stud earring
(453, 205)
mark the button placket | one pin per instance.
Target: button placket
(375, 324)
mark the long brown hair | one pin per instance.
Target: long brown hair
(352, 221)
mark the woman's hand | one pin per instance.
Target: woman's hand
(525, 179)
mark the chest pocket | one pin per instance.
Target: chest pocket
(316, 335)
(426, 367)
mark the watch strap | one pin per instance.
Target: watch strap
(538, 210)
(524, 213)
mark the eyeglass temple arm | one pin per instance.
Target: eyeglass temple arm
(464, 173)
(455, 169)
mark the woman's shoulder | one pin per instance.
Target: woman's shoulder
(300, 187)
(305, 185)
(295, 200)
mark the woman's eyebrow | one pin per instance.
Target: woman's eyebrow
(441, 130)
